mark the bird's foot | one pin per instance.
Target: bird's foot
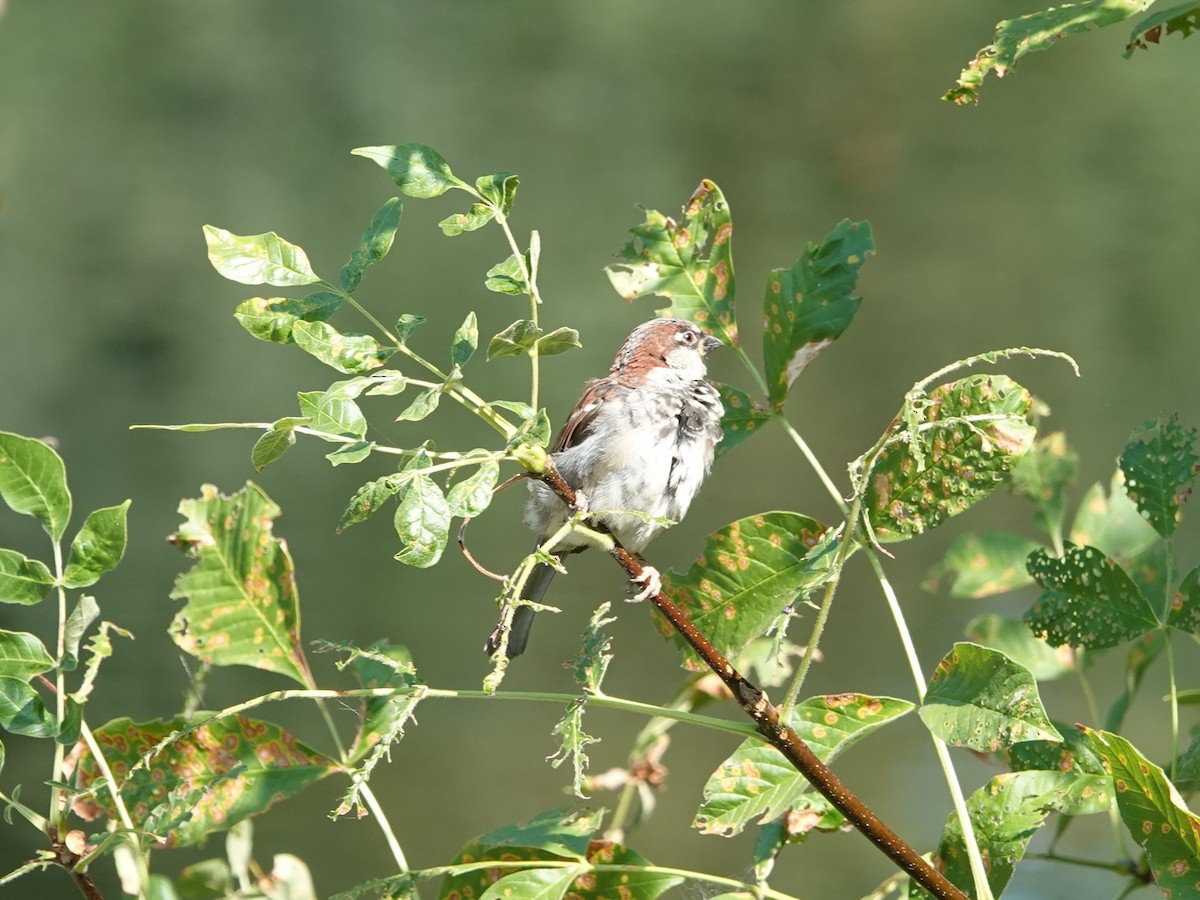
(581, 502)
(650, 581)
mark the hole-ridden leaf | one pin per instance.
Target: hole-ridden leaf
(242, 604)
(472, 495)
(22, 655)
(508, 277)
(515, 340)
(22, 710)
(688, 262)
(1156, 816)
(1042, 475)
(1013, 638)
(979, 565)
(23, 580)
(1007, 811)
(979, 698)
(418, 171)
(748, 573)
(1160, 464)
(33, 482)
(742, 418)
(1036, 31)
(756, 782)
(951, 449)
(375, 244)
(212, 776)
(98, 546)
(1185, 605)
(808, 306)
(1182, 19)
(466, 339)
(347, 352)
(276, 441)
(572, 743)
(1110, 521)
(258, 258)
(271, 318)
(1089, 602)
(422, 517)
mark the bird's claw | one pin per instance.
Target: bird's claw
(650, 581)
(581, 502)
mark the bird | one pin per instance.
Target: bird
(635, 448)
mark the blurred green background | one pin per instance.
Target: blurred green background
(1063, 212)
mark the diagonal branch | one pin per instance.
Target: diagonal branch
(758, 707)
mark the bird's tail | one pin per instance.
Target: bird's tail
(522, 618)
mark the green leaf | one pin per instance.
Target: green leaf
(33, 482)
(687, 262)
(561, 832)
(756, 782)
(1111, 522)
(508, 277)
(212, 775)
(407, 324)
(948, 451)
(979, 698)
(422, 517)
(747, 574)
(333, 411)
(1072, 754)
(1182, 19)
(1160, 464)
(466, 339)
(572, 741)
(86, 611)
(471, 496)
(347, 352)
(369, 498)
(1155, 814)
(742, 418)
(809, 305)
(515, 340)
(1089, 602)
(1007, 811)
(1037, 31)
(500, 189)
(1014, 639)
(1185, 605)
(98, 547)
(375, 244)
(258, 258)
(242, 603)
(534, 431)
(275, 442)
(418, 171)
(23, 580)
(979, 565)
(1042, 475)
(271, 318)
(22, 655)
(590, 665)
(532, 884)
(474, 218)
(422, 406)
(560, 340)
(351, 453)
(630, 875)
(22, 710)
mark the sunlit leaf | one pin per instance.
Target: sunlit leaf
(499, 189)
(532, 884)
(465, 340)
(1160, 465)
(756, 782)
(22, 655)
(276, 441)
(418, 171)
(347, 352)
(808, 306)
(333, 411)
(422, 517)
(1013, 638)
(208, 779)
(1185, 605)
(1089, 602)
(979, 698)
(1007, 811)
(508, 277)
(1156, 816)
(979, 565)
(23, 580)
(258, 258)
(472, 495)
(515, 340)
(1037, 31)
(422, 405)
(747, 574)
(534, 431)
(98, 546)
(368, 499)
(350, 453)
(271, 318)
(560, 340)
(742, 418)
(949, 452)
(407, 324)
(1042, 475)
(33, 482)
(687, 262)
(474, 218)
(1182, 19)
(375, 244)
(242, 607)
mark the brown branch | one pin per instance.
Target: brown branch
(765, 714)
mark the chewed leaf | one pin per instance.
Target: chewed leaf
(1160, 465)
(242, 607)
(687, 262)
(418, 171)
(218, 772)
(33, 482)
(1182, 19)
(979, 698)
(756, 782)
(748, 573)
(1089, 602)
(258, 258)
(375, 244)
(947, 454)
(742, 418)
(808, 306)
(347, 352)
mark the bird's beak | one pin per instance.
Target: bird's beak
(711, 343)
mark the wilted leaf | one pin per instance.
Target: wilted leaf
(1160, 464)
(508, 277)
(742, 418)
(33, 482)
(375, 244)
(98, 546)
(347, 352)
(979, 565)
(474, 218)
(515, 340)
(258, 258)
(418, 171)
(23, 580)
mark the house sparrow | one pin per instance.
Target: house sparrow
(635, 448)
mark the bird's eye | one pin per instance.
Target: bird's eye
(689, 337)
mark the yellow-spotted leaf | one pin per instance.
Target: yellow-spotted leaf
(742, 418)
(258, 258)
